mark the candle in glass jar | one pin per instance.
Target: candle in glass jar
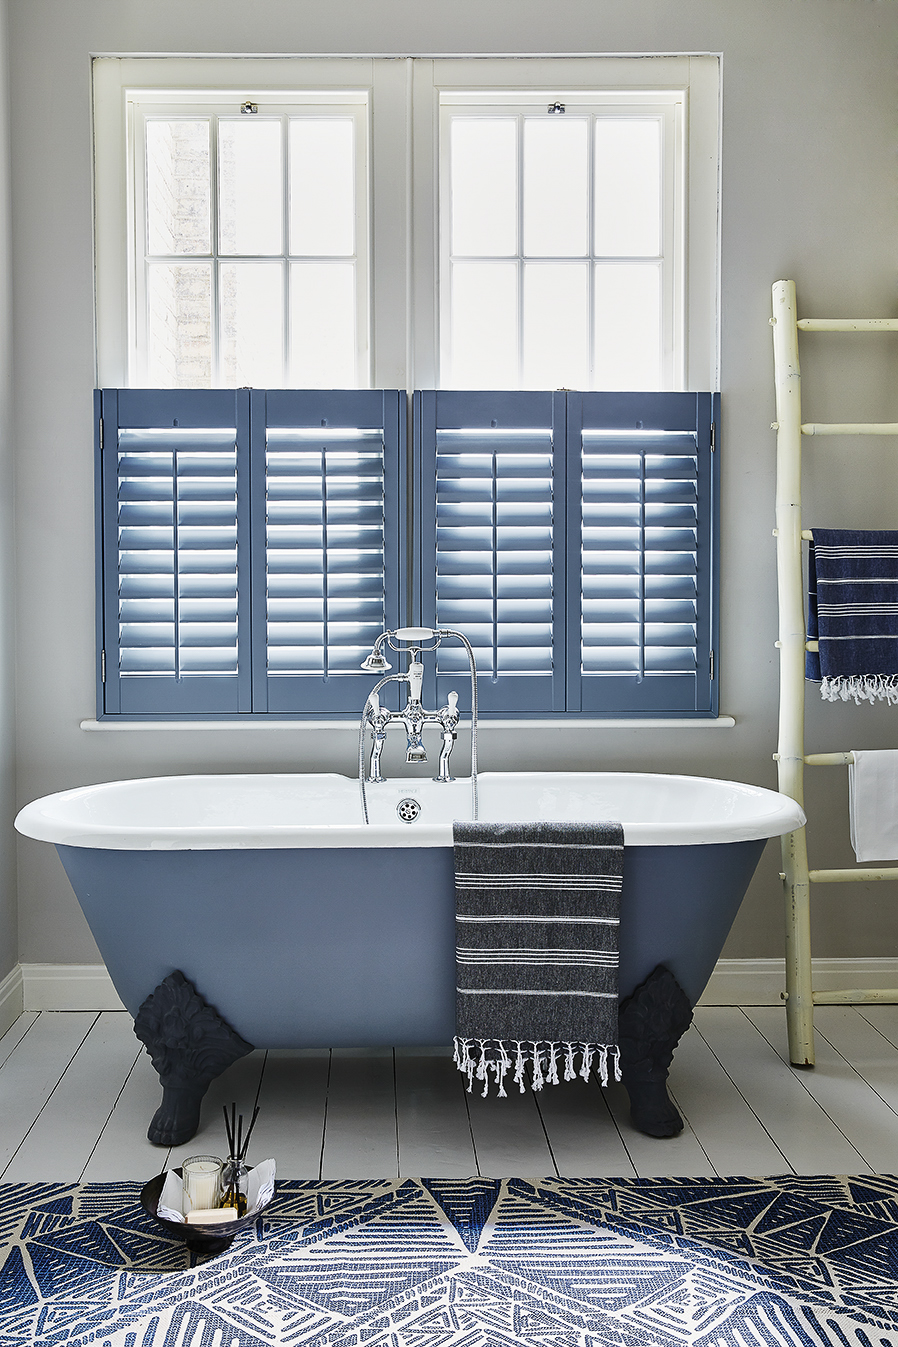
(201, 1178)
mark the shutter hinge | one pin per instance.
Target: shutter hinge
(102, 666)
(712, 666)
(101, 432)
(713, 436)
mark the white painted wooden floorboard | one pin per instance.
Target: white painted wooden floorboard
(583, 1135)
(872, 1055)
(508, 1135)
(31, 1073)
(360, 1134)
(15, 1033)
(843, 1094)
(657, 1157)
(855, 1085)
(727, 1129)
(123, 1151)
(883, 1018)
(240, 1085)
(59, 1144)
(810, 1141)
(435, 1138)
(292, 1106)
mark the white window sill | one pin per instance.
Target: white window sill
(259, 723)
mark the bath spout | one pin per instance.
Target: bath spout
(416, 751)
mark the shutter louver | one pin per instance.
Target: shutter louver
(177, 553)
(639, 540)
(494, 531)
(645, 553)
(494, 549)
(173, 523)
(325, 550)
(331, 543)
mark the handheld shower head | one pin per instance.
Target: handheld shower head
(375, 663)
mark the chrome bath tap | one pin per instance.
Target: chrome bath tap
(414, 720)
(413, 717)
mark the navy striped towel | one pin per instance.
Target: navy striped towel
(853, 613)
(537, 917)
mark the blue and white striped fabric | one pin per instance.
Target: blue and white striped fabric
(537, 917)
(853, 614)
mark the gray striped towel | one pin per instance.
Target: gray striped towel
(537, 918)
(853, 614)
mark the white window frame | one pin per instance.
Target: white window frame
(405, 96)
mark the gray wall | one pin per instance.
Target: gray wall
(808, 193)
(8, 912)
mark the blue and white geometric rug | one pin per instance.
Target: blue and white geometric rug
(465, 1263)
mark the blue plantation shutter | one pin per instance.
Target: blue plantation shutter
(642, 486)
(328, 542)
(252, 546)
(175, 540)
(491, 492)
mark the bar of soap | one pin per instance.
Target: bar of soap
(212, 1216)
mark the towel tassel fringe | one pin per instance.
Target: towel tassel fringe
(861, 688)
(478, 1058)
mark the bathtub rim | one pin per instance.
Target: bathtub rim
(44, 820)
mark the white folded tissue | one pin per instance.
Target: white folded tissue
(259, 1192)
(873, 804)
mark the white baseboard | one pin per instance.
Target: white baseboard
(761, 982)
(734, 982)
(68, 986)
(11, 999)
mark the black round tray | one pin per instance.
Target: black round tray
(206, 1239)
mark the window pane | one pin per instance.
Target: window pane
(555, 186)
(250, 176)
(252, 324)
(628, 327)
(484, 325)
(179, 325)
(484, 186)
(178, 191)
(628, 187)
(322, 186)
(322, 325)
(556, 325)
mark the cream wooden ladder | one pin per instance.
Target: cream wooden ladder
(791, 757)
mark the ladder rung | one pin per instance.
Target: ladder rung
(850, 428)
(828, 759)
(856, 996)
(858, 876)
(848, 324)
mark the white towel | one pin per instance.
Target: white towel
(873, 804)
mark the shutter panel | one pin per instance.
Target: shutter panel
(328, 543)
(176, 542)
(641, 553)
(492, 520)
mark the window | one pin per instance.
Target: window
(249, 246)
(561, 259)
(279, 240)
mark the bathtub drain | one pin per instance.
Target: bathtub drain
(408, 810)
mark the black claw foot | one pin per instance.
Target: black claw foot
(177, 1117)
(652, 1110)
(651, 1023)
(189, 1044)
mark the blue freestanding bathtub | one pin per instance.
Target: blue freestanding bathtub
(305, 927)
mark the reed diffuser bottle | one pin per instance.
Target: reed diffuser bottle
(234, 1174)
